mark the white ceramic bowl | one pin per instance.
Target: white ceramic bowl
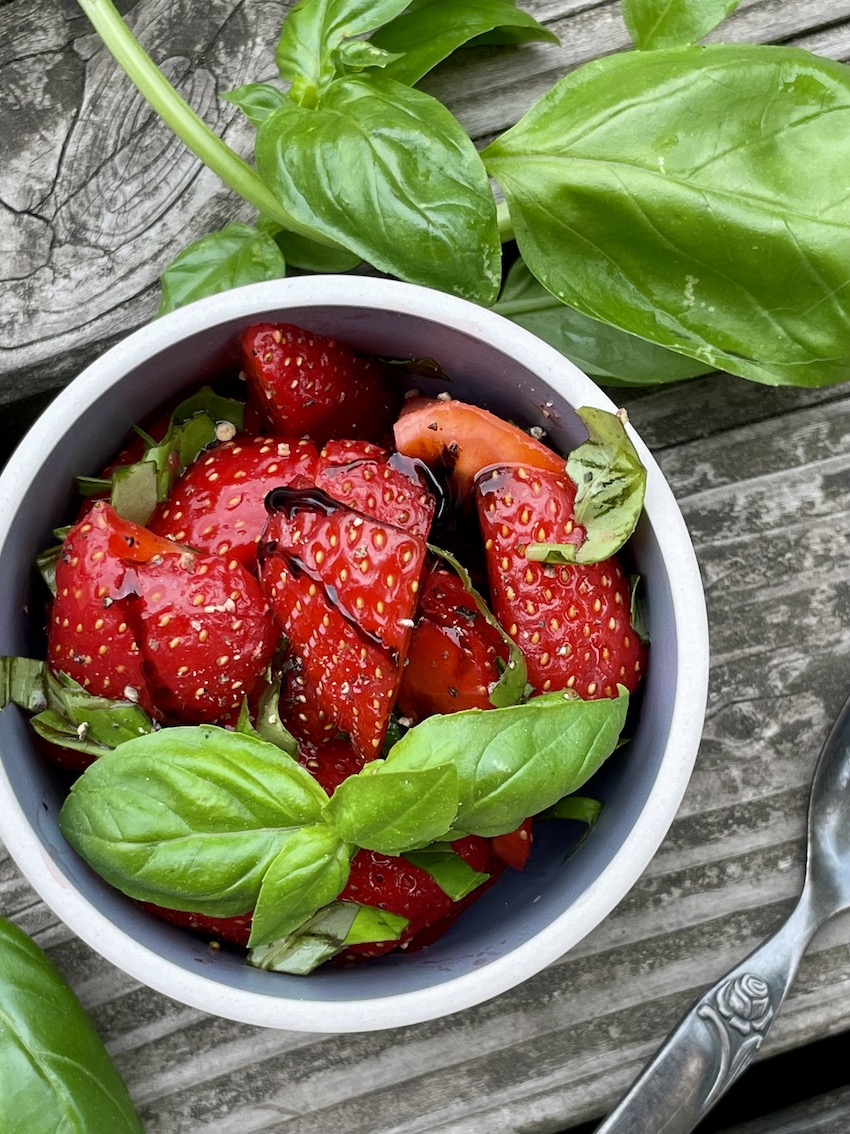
(528, 919)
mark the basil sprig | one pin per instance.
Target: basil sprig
(217, 822)
(55, 1071)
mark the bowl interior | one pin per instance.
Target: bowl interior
(528, 918)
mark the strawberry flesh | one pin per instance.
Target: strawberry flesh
(464, 439)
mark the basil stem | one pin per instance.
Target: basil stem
(173, 109)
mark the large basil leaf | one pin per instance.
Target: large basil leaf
(190, 818)
(673, 23)
(236, 255)
(55, 1072)
(391, 813)
(430, 30)
(422, 210)
(684, 195)
(598, 349)
(315, 29)
(513, 762)
(310, 870)
(610, 487)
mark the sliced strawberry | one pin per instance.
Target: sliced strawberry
(572, 622)
(139, 617)
(343, 587)
(235, 930)
(452, 662)
(314, 386)
(217, 505)
(206, 635)
(391, 487)
(462, 439)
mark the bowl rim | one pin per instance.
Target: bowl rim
(676, 765)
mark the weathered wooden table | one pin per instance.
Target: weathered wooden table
(95, 198)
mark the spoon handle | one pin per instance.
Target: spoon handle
(717, 1039)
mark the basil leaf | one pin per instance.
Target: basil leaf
(189, 817)
(256, 100)
(637, 610)
(324, 935)
(311, 34)
(316, 941)
(135, 491)
(610, 486)
(452, 873)
(66, 713)
(513, 762)
(511, 685)
(237, 254)
(430, 30)
(683, 195)
(425, 212)
(596, 348)
(269, 726)
(391, 813)
(55, 1071)
(673, 23)
(309, 871)
(22, 683)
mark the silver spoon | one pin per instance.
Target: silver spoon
(721, 1034)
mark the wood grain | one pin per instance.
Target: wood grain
(95, 198)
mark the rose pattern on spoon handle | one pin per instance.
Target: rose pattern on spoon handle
(741, 1011)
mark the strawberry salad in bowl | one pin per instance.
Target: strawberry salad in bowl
(342, 661)
(276, 586)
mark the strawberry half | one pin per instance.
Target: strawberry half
(137, 616)
(217, 505)
(452, 663)
(572, 622)
(343, 587)
(313, 386)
